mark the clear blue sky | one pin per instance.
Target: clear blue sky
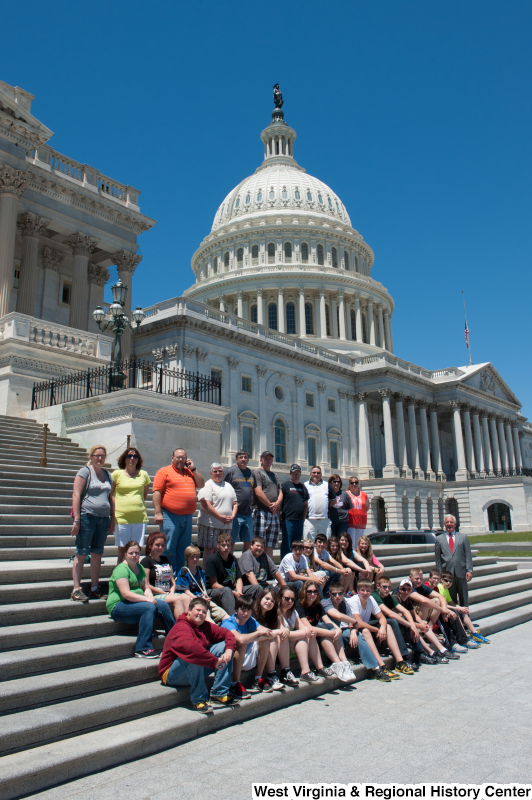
(418, 114)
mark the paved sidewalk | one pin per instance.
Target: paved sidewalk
(468, 721)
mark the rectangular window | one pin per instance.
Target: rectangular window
(16, 277)
(66, 293)
(311, 451)
(247, 440)
(309, 400)
(246, 384)
(331, 405)
(334, 455)
(216, 375)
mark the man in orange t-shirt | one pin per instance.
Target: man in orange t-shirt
(358, 513)
(174, 502)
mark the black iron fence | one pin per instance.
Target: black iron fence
(130, 374)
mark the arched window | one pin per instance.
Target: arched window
(287, 253)
(237, 204)
(353, 325)
(327, 320)
(272, 190)
(356, 263)
(320, 254)
(330, 202)
(259, 196)
(280, 441)
(338, 320)
(215, 265)
(284, 193)
(277, 147)
(271, 253)
(255, 255)
(320, 199)
(346, 259)
(290, 318)
(309, 195)
(309, 319)
(240, 257)
(334, 255)
(248, 199)
(226, 260)
(253, 313)
(272, 316)
(304, 253)
(297, 194)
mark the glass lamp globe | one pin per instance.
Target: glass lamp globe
(119, 293)
(116, 309)
(98, 314)
(138, 315)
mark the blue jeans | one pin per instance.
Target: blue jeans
(364, 651)
(92, 534)
(242, 528)
(144, 614)
(183, 673)
(178, 530)
(292, 531)
(337, 528)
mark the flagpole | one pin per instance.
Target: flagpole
(467, 331)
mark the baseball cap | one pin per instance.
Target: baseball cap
(266, 453)
(295, 468)
(405, 581)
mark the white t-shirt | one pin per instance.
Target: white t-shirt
(221, 496)
(318, 504)
(289, 563)
(324, 555)
(371, 610)
(290, 622)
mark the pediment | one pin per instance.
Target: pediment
(485, 378)
(19, 121)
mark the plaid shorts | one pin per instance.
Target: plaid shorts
(267, 525)
(208, 536)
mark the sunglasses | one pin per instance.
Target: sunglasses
(353, 483)
(336, 594)
(312, 591)
(132, 455)
(289, 599)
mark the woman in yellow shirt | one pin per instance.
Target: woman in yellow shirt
(131, 485)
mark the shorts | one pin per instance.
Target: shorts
(92, 534)
(242, 529)
(267, 525)
(134, 532)
(208, 536)
(312, 527)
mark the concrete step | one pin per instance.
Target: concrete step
(382, 550)
(31, 593)
(488, 608)
(45, 553)
(11, 468)
(53, 569)
(34, 634)
(505, 619)
(27, 456)
(496, 590)
(15, 508)
(22, 613)
(34, 493)
(485, 581)
(517, 546)
(34, 444)
(32, 482)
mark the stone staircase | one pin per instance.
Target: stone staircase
(73, 699)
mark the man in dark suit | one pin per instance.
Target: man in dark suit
(453, 554)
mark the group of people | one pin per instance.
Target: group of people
(328, 599)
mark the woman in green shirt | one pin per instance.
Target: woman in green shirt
(131, 600)
(130, 488)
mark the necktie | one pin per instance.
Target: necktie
(451, 542)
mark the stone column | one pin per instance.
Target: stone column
(517, 448)
(261, 371)
(488, 462)
(260, 310)
(30, 227)
(341, 315)
(302, 320)
(370, 322)
(351, 421)
(425, 447)
(82, 246)
(522, 450)
(358, 319)
(97, 278)
(300, 428)
(502, 444)
(461, 472)
(510, 446)
(323, 425)
(52, 260)
(347, 318)
(477, 438)
(280, 310)
(390, 470)
(414, 449)
(222, 303)
(388, 331)
(12, 184)
(126, 263)
(364, 451)
(494, 444)
(401, 437)
(381, 327)
(346, 432)
(233, 407)
(435, 441)
(323, 319)
(470, 453)
(239, 305)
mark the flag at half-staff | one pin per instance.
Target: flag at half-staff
(467, 331)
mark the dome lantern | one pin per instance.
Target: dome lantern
(278, 139)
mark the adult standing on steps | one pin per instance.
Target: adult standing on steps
(453, 554)
(94, 518)
(321, 497)
(243, 482)
(132, 484)
(358, 513)
(174, 502)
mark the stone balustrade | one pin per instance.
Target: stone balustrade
(50, 335)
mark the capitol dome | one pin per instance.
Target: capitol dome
(282, 253)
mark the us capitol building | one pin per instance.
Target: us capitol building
(285, 312)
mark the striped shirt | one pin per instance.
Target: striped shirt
(178, 490)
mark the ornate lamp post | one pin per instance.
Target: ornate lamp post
(117, 322)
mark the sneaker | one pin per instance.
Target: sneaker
(224, 701)
(338, 668)
(451, 655)
(472, 645)
(479, 638)
(347, 673)
(274, 681)
(239, 691)
(413, 665)
(440, 658)
(79, 594)
(262, 685)
(97, 594)
(309, 677)
(325, 672)
(204, 707)
(456, 648)
(378, 674)
(149, 653)
(403, 668)
(288, 678)
(393, 676)
(425, 659)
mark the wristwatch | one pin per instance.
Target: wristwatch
(193, 469)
